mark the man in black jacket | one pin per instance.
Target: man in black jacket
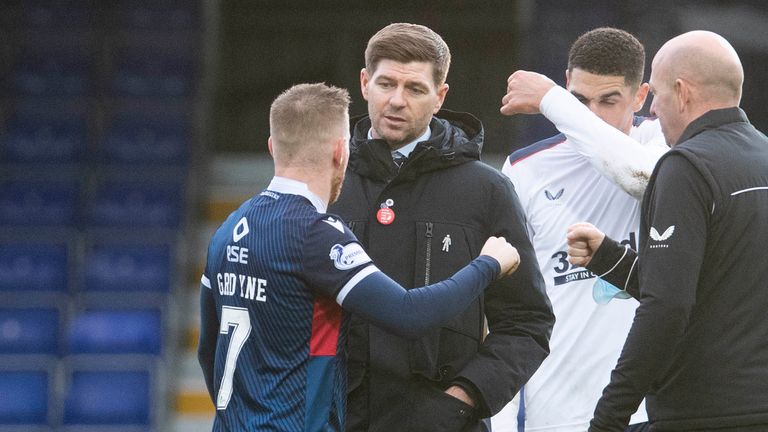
(421, 202)
(698, 348)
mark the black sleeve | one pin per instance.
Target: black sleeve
(519, 313)
(616, 264)
(209, 331)
(670, 266)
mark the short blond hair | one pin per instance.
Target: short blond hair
(305, 116)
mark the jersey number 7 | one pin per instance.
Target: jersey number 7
(240, 321)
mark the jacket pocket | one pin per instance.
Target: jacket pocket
(435, 411)
(441, 250)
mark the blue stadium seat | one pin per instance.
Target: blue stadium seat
(29, 330)
(146, 139)
(36, 138)
(152, 75)
(52, 74)
(122, 331)
(136, 205)
(39, 202)
(24, 397)
(33, 267)
(108, 397)
(127, 268)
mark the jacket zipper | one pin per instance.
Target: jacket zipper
(428, 260)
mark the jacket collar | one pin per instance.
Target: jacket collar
(456, 138)
(407, 149)
(711, 120)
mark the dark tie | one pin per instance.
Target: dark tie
(398, 159)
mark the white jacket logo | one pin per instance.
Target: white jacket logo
(666, 235)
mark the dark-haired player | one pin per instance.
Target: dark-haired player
(596, 170)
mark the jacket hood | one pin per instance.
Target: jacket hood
(456, 138)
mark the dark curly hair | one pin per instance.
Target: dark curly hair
(609, 51)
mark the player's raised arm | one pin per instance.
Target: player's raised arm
(616, 155)
(409, 313)
(525, 90)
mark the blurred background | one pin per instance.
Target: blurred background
(130, 129)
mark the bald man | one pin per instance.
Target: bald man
(698, 347)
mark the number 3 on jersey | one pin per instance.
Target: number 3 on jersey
(240, 322)
(563, 264)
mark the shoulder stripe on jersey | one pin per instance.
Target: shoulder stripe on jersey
(534, 148)
(205, 281)
(362, 274)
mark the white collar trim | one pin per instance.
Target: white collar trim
(285, 185)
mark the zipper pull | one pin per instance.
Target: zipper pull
(428, 253)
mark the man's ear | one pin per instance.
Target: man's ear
(339, 154)
(442, 90)
(682, 93)
(640, 96)
(364, 79)
(269, 146)
(567, 78)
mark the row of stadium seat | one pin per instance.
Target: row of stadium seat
(90, 361)
(113, 203)
(106, 266)
(40, 330)
(134, 74)
(96, 134)
(116, 393)
(55, 136)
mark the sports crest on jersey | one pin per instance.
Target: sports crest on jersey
(348, 256)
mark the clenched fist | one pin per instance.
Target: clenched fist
(499, 249)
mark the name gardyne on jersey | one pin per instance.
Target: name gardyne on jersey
(251, 288)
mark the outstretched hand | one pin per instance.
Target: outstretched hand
(583, 241)
(525, 90)
(499, 249)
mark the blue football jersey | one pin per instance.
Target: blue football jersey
(277, 270)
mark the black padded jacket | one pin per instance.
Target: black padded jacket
(446, 203)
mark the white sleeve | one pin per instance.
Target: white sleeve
(617, 156)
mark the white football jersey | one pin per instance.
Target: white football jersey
(560, 183)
